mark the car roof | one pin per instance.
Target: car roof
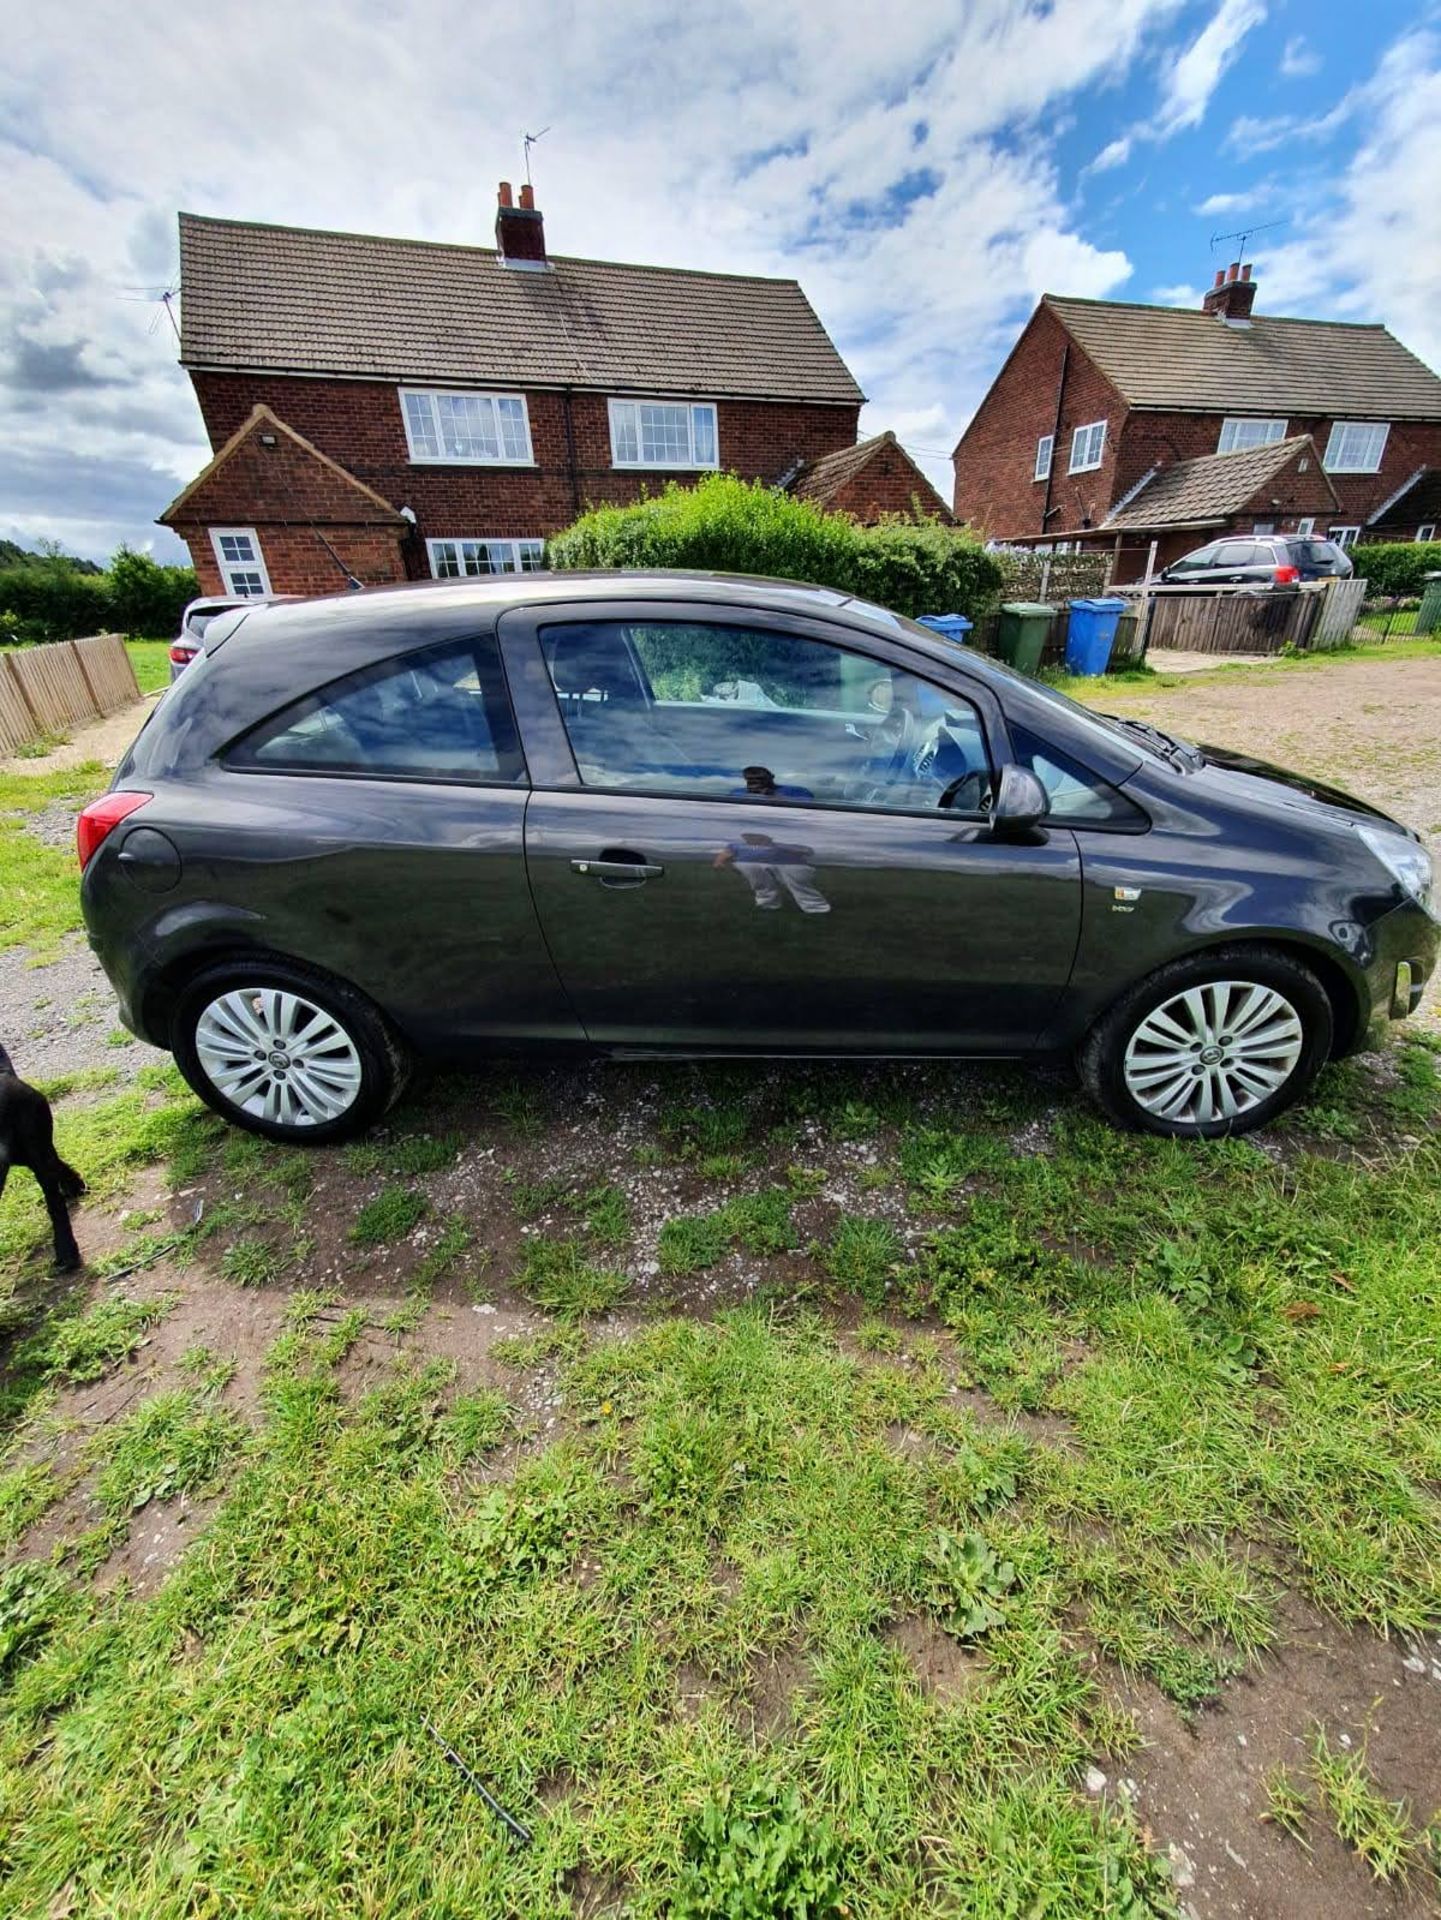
(422, 606)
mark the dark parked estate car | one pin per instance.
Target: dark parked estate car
(1260, 560)
(692, 814)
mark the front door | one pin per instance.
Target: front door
(756, 855)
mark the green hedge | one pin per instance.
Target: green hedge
(733, 526)
(51, 600)
(1397, 566)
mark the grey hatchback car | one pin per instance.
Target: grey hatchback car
(693, 814)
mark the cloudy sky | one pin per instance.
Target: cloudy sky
(925, 169)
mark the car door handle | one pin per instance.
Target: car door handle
(613, 870)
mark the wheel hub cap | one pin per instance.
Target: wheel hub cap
(277, 1056)
(1213, 1052)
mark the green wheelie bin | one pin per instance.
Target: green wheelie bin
(1024, 626)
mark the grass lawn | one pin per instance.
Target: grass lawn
(780, 1485)
(151, 661)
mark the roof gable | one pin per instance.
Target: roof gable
(824, 481)
(268, 472)
(294, 300)
(1217, 485)
(1180, 358)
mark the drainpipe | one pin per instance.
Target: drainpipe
(1048, 509)
(570, 449)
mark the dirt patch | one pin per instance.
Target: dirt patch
(104, 740)
(1199, 1788)
(946, 1670)
(773, 1682)
(57, 1018)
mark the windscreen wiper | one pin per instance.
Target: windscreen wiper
(1178, 752)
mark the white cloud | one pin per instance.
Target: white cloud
(1374, 252)
(1219, 203)
(1114, 154)
(1193, 78)
(1179, 295)
(1299, 58)
(908, 178)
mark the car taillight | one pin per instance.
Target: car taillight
(182, 656)
(1287, 576)
(101, 818)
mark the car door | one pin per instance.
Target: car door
(1232, 563)
(735, 840)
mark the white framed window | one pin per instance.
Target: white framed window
(1239, 434)
(1045, 446)
(1264, 526)
(467, 429)
(1306, 526)
(1356, 446)
(1428, 532)
(1343, 536)
(242, 568)
(663, 433)
(1088, 447)
(455, 559)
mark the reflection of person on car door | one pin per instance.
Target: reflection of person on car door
(768, 865)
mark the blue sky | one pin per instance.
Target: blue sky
(925, 171)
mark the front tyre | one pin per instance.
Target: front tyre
(1214, 1044)
(286, 1053)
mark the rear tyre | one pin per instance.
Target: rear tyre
(1214, 1044)
(285, 1052)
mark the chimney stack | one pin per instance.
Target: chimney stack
(1233, 295)
(519, 230)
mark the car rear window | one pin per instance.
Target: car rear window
(441, 714)
(1313, 553)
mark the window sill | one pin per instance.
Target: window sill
(1363, 472)
(1094, 467)
(661, 466)
(456, 460)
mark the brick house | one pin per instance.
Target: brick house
(385, 410)
(1115, 426)
(873, 478)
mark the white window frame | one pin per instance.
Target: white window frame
(625, 425)
(1427, 530)
(1045, 453)
(424, 437)
(231, 569)
(1087, 449)
(1306, 529)
(1343, 537)
(1241, 432)
(515, 550)
(1336, 446)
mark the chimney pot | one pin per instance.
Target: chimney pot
(504, 194)
(527, 197)
(1220, 279)
(1233, 295)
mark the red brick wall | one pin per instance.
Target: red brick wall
(887, 483)
(995, 460)
(297, 562)
(358, 423)
(279, 482)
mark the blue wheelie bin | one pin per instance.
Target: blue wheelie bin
(951, 626)
(1091, 633)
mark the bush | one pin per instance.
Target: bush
(1397, 566)
(51, 599)
(735, 526)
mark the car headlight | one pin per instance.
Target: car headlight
(1405, 860)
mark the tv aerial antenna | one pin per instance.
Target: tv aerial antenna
(1243, 234)
(530, 140)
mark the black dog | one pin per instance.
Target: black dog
(27, 1140)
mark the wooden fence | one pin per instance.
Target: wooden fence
(49, 689)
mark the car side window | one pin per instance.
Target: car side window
(746, 713)
(1075, 794)
(441, 714)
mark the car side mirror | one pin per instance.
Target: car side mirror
(1021, 802)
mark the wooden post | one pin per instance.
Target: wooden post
(19, 686)
(79, 660)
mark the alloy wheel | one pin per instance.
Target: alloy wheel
(1213, 1052)
(278, 1057)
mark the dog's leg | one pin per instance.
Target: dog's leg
(52, 1185)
